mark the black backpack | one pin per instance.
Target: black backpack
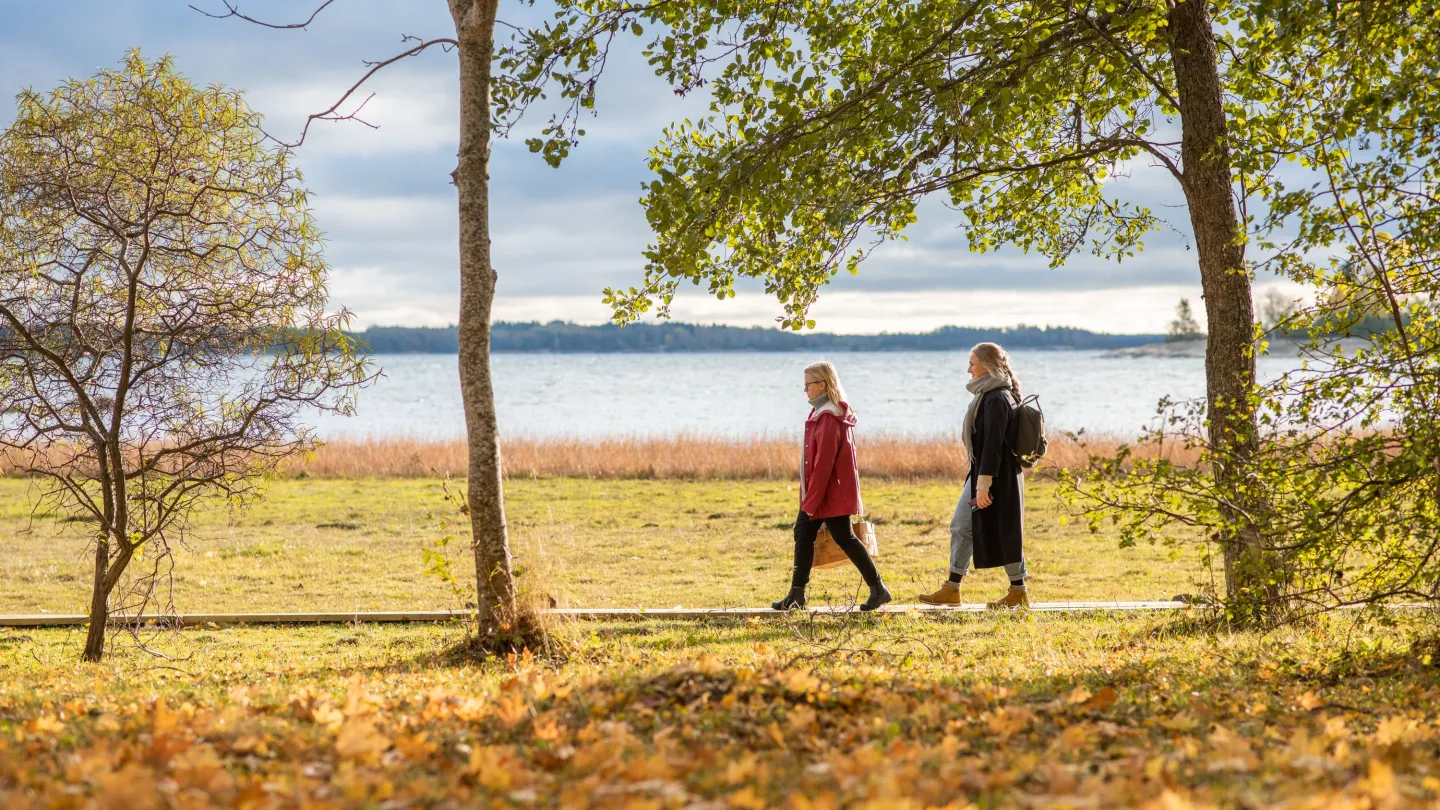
(1030, 442)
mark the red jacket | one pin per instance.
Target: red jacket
(832, 480)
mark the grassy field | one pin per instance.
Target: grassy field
(893, 712)
(340, 545)
(903, 711)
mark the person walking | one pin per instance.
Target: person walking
(988, 525)
(829, 488)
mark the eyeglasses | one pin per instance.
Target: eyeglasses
(809, 383)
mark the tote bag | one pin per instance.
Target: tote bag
(828, 553)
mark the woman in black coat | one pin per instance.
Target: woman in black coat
(988, 525)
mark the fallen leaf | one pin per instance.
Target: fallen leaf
(360, 739)
(1103, 699)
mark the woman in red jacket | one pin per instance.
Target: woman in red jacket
(829, 488)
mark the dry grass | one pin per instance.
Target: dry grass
(684, 457)
(689, 457)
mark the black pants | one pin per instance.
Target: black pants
(805, 530)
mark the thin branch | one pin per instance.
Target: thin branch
(1154, 81)
(331, 113)
(234, 11)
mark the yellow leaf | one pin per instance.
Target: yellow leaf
(802, 718)
(548, 729)
(416, 747)
(746, 799)
(164, 720)
(1078, 737)
(251, 744)
(799, 682)
(1381, 782)
(130, 788)
(45, 724)
(360, 739)
(1077, 696)
(1168, 800)
(775, 734)
(470, 709)
(328, 716)
(512, 709)
(799, 801)
(488, 766)
(1310, 701)
(1396, 729)
(200, 769)
(1336, 729)
(1183, 721)
(738, 770)
(1229, 752)
(1009, 721)
(708, 664)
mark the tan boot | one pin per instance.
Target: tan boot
(949, 594)
(1016, 598)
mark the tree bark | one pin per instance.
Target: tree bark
(1229, 308)
(99, 603)
(475, 30)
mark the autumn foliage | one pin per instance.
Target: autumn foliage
(900, 713)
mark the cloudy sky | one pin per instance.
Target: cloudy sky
(384, 199)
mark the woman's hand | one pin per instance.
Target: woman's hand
(984, 499)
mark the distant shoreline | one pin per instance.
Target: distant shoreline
(677, 338)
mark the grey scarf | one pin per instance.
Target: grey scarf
(990, 381)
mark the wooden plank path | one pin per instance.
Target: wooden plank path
(369, 617)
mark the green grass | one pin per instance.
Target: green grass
(340, 545)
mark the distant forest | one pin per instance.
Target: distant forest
(559, 337)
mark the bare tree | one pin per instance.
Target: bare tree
(162, 312)
(474, 41)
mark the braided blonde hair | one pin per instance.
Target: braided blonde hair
(991, 356)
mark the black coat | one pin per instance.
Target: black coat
(998, 528)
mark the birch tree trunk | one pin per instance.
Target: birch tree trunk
(475, 30)
(1229, 308)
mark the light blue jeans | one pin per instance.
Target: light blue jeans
(962, 538)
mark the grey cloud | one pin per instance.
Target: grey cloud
(384, 197)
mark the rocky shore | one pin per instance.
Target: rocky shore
(1196, 348)
(1170, 348)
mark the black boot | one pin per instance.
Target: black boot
(794, 600)
(879, 595)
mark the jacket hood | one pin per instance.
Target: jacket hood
(842, 411)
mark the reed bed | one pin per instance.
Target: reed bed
(904, 458)
(680, 457)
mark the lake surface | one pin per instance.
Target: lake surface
(744, 394)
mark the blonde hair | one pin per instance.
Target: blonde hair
(993, 357)
(825, 373)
